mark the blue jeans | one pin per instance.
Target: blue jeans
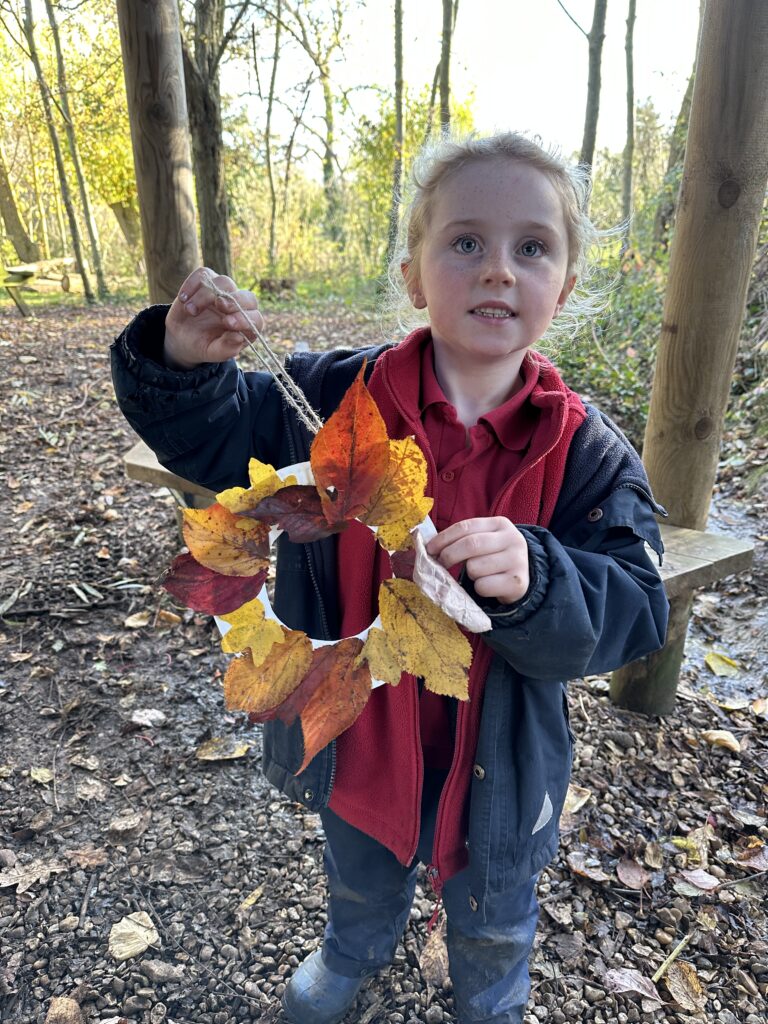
(370, 899)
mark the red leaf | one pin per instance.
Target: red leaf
(350, 454)
(207, 591)
(298, 510)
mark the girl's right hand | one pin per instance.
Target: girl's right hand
(202, 327)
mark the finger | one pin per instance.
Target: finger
(503, 586)
(249, 324)
(464, 528)
(238, 300)
(196, 282)
(227, 346)
(475, 545)
(497, 562)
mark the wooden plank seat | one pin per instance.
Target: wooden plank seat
(54, 271)
(692, 558)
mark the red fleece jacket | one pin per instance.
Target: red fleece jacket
(379, 771)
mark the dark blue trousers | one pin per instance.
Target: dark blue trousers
(370, 899)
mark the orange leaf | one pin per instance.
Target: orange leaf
(257, 689)
(350, 454)
(340, 691)
(225, 542)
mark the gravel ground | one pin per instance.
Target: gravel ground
(110, 805)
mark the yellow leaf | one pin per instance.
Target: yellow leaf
(381, 661)
(760, 707)
(221, 748)
(399, 503)
(721, 664)
(575, 798)
(423, 640)
(722, 738)
(258, 688)
(251, 899)
(264, 482)
(685, 987)
(251, 629)
(221, 541)
(41, 775)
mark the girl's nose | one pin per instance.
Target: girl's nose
(498, 268)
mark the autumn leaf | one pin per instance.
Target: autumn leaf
(264, 481)
(350, 454)
(721, 664)
(381, 660)
(250, 629)
(259, 688)
(632, 874)
(684, 986)
(341, 690)
(624, 979)
(225, 542)
(204, 590)
(399, 503)
(299, 511)
(423, 640)
(587, 867)
(722, 738)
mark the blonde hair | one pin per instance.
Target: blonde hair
(441, 159)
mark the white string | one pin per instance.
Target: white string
(291, 391)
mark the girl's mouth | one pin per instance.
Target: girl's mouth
(493, 312)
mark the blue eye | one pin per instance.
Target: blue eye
(466, 244)
(532, 249)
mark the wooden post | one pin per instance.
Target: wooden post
(154, 79)
(718, 214)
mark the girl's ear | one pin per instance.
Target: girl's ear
(567, 289)
(415, 293)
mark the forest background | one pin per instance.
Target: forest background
(296, 164)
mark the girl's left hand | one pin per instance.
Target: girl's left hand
(494, 552)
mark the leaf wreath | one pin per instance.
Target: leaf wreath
(359, 473)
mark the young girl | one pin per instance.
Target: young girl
(540, 503)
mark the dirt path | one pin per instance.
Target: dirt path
(107, 809)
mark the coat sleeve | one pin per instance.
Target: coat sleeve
(594, 604)
(203, 424)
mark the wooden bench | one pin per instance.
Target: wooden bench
(692, 559)
(54, 271)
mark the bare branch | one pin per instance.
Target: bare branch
(578, 26)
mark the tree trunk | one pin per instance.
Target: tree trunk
(397, 169)
(268, 143)
(629, 148)
(721, 199)
(66, 195)
(330, 184)
(151, 44)
(595, 37)
(26, 249)
(201, 75)
(665, 211)
(45, 247)
(69, 131)
(129, 222)
(445, 67)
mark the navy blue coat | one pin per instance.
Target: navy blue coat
(595, 602)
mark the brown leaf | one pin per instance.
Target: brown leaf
(756, 858)
(338, 698)
(631, 874)
(225, 542)
(587, 867)
(63, 1010)
(625, 980)
(701, 879)
(299, 511)
(722, 738)
(684, 986)
(260, 688)
(204, 590)
(350, 454)
(433, 962)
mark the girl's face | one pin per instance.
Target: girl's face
(493, 263)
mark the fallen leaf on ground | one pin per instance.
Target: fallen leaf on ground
(624, 979)
(138, 619)
(63, 1010)
(755, 858)
(722, 738)
(575, 798)
(721, 664)
(424, 640)
(149, 718)
(701, 879)
(433, 962)
(24, 876)
(684, 986)
(132, 936)
(587, 867)
(222, 748)
(42, 775)
(88, 857)
(251, 899)
(350, 454)
(166, 618)
(760, 707)
(632, 874)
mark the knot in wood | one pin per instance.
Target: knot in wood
(728, 193)
(703, 428)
